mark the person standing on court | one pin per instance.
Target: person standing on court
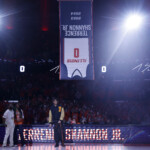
(8, 119)
(19, 118)
(56, 117)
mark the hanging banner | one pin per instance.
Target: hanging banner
(76, 40)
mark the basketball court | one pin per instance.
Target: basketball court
(79, 147)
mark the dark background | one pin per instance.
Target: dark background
(30, 30)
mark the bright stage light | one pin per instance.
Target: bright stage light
(133, 22)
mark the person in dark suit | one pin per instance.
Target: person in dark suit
(56, 117)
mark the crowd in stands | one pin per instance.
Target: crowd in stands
(86, 102)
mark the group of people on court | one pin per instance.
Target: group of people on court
(13, 119)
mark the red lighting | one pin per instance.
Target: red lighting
(44, 5)
(9, 27)
(44, 28)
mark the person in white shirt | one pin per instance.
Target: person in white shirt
(8, 119)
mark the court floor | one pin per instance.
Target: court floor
(78, 147)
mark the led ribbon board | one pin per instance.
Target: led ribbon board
(86, 134)
(76, 40)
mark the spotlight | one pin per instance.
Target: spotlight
(133, 21)
(22, 68)
(104, 69)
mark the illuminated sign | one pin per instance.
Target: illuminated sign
(22, 68)
(86, 134)
(93, 134)
(104, 69)
(38, 134)
(75, 134)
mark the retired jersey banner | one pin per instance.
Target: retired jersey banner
(76, 39)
